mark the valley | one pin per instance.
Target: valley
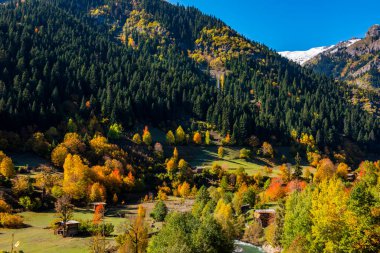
(141, 126)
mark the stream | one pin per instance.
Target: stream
(242, 247)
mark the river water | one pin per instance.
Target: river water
(247, 248)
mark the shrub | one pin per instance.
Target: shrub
(56, 191)
(87, 227)
(5, 207)
(21, 185)
(159, 212)
(29, 204)
(11, 221)
(254, 233)
(245, 153)
(115, 132)
(136, 138)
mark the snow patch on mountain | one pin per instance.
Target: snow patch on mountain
(302, 57)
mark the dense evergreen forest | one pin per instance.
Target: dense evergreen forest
(58, 61)
(140, 126)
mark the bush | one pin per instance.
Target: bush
(57, 191)
(5, 207)
(27, 203)
(11, 221)
(245, 153)
(159, 212)
(115, 132)
(87, 227)
(254, 233)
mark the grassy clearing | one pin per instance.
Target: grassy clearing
(206, 156)
(37, 237)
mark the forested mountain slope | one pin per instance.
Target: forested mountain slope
(148, 60)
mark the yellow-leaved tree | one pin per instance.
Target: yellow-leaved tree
(58, 155)
(97, 193)
(329, 216)
(325, 170)
(6, 166)
(224, 216)
(184, 190)
(134, 238)
(180, 135)
(170, 139)
(75, 177)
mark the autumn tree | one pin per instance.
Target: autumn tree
(171, 165)
(182, 164)
(267, 150)
(98, 214)
(220, 152)
(180, 135)
(342, 170)
(98, 243)
(21, 185)
(275, 190)
(175, 154)
(207, 138)
(325, 170)
(328, 209)
(100, 145)
(184, 189)
(74, 143)
(64, 208)
(227, 139)
(197, 138)
(313, 158)
(7, 168)
(97, 193)
(224, 215)
(170, 139)
(75, 177)
(285, 173)
(58, 155)
(134, 238)
(136, 138)
(115, 131)
(46, 180)
(147, 137)
(238, 199)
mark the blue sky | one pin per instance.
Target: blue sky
(294, 24)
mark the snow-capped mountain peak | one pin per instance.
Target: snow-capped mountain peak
(302, 57)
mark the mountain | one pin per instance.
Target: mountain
(301, 57)
(149, 61)
(358, 63)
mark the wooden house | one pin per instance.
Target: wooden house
(265, 216)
